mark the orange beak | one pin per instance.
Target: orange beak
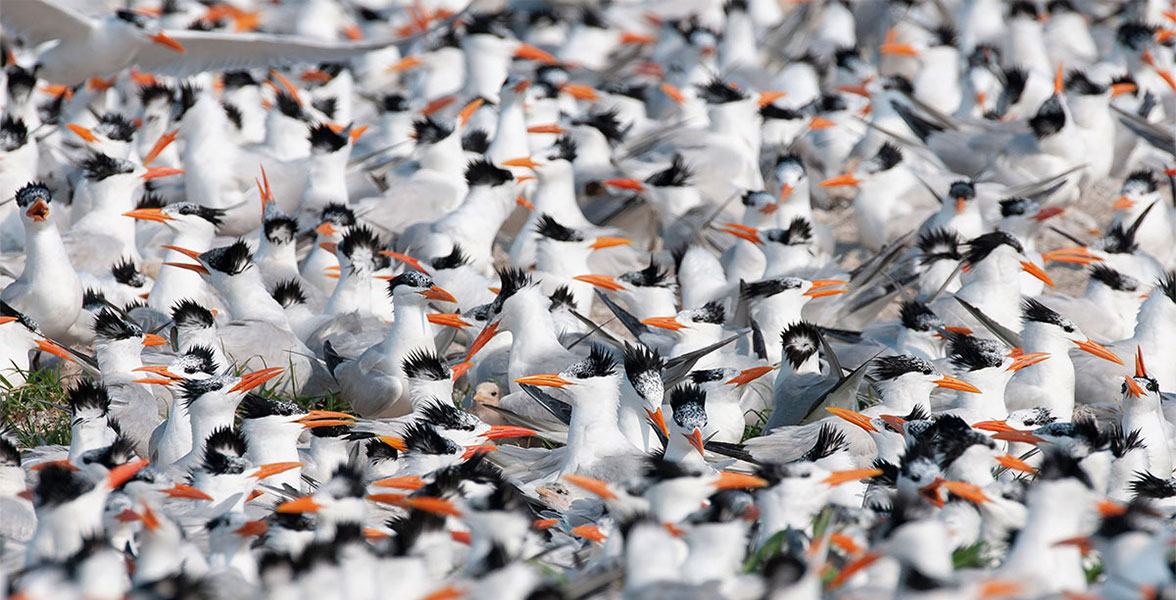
(404, 64)
(853, 567)
(625, 184)
(404, 482)
(498, 432)
(1059, 80)
(1016, 435)
(695, 439)
(406, 259)
(840, 477)
(952, 383)
(271, 469)
(967, 491)
(898, 49)
(120, 474)
(437, 506)
(330, 247)
(53, 348)
(600, 281)
(395, 442)
(304, 504)
(897, 423)
(162, 371)
(82, 132)
(994, 426)
(670, 323)
(1140, 368)
(629, 37)
(460, 369)
(1037, 272)
(255, 379)
(447, 320)
(154, 172)
(1123, 203)
(658, 419)
(818, 123)
(252, 528)
(192, 254)
(545, 379)
(163, 142)
(856, 418)
(1026, 360)
(525, 162)
(1048, 212)
(529, 52)
(483, 338)
(729, 480)
(580, 92)
(845, 179)
(609, 242)
(150, 339)
(1079, 255)
(325, 229)
(148, 214)
(162, 39)
(745, 232)
(674, 93)
(1099, 350)
(437, 104)
(1009, 461)
(589, 532)
(438, 294)
(1118, 89)
(749, 375)
(553, 129)
(1134, 388)
(596, 486)
(521, 201)
(768, 97)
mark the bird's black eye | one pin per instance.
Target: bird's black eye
(805, 475)
(189, 370)
(1123, 388)
(916, 477)
(1152, 386)
(1068, 329)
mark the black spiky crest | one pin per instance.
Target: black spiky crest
(717, 91)
(1034, 311)
(430, 131)
(93, 300)
(88, 395)
(111, 327)
(564, 149)
(423, 438)
(394, 103)
(230, 260)
(1078, 83)
(156, 92)
(323, 139)
(260, 407)
(780, 113)
(766, 288)
(192, 389)
(484, 172)
(1144, 179)
(642, 365)
(1113, 279)
(98, 166)
(1023, 8)
(846, 56)
(32, 192)
(338, 214)
(149, 200)
(126, 273)
(447, 416)
(1123, 442)
(189, 313)
(20, 80)
(9, 453)
(377, 450)
(551, 229)
(280, 229)
(678, 174)
(422, 363)
(288, 292)
(1118, 240)
(971, 353)
(829, 440)
(701, 376)
(288, 105)
(213, 215)
(888, 156)
(412, 279)
(918, 316)
(1148, 486)
(224, 452)
(944, 35)
(1135, 35)
(651, 276)
(13, 133)
(562, 299)
(981, 247)
(1059, 6)
(1059, 465)
(456, 258)
(1016, 206)
(511, 280)
(799, 232)
(688, 402)
(50, 112)
(362, 237)
(712, 312)
(116, 127)
(237, 79)
(790, 158)
(939, 244)
(800, 340)
(599, 363)
(328, 106)
(58, 484)
(889, 367)
(476, 141)
(1049, 119)
(189, 94)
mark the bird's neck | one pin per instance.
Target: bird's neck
(248, 300)
(119, 357)
(593, 430)
(556, 195)
(46, 255)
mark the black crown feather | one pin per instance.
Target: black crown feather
(447, 416)
(328, 106)
(889, 367)
(456, 258)
(338, 214)
(1033, 310)
(13, 133)
(476, 141)
(257, 407)
(324, 139)
(394, 103)
(918, 316)
(88, 395)
(484, 172)
(981, 247)
(1145, 178)
(551, 229)
(98, 166)
(888, 156)
(608, 124)
(599, 363)
(237, 79)
(110, 326)
(425, 364)
(156, 91)
(972, 353)
(1113, 279)
(423, 438)
(32, 192)
(189, 313)
(563, 298)
(678, 174)
(288, 105)
(116, 127)
(58, 484)
(231, 260)
(430, 131)
(126, 273)
(288, 293)
(800, 340)
(717, 91)
(564, 149)
(280, 229)
(830, 440)
(712, 312)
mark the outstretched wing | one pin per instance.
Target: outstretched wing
(217, 51)
(41, 21)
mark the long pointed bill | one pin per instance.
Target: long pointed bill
(186, 492)
(301, 505)
(162, 39)
(1026, 360)
(596, 486)
(484, 337)
(853, 568)
(1140, 368)
(840, 180)
(993, 426)
(729, 480)
(163, 142)
(395, 442)
(1098, 350)
(930, 492)
(148, 214)
(695, 439)
(743, 232)
(952, 383)
(498, 432)
(821, 293)
(82, 132)
(840, 477)
(150, 339)
(1079, 255)
(658, 419)
(156, 172)
(625, 184)
(670, 323)
(460, 369)
(897, 49)
(271, 469)
(255, 379)
(192, 254)
(404, 482)
(1009, 461)
(1037, 272)
(525, 162)
(580, 92)
(404, 64)
(767, 97)
(1118, 89)
(856, 418)
(1123, 203)
(819, 123)
(1059, 79)
(53, 348)
(438, 294)
(1134, 388)
(895, 422)
(406, 259)
(673, 92)
(749, 375)
(468, 110)
(323, 414)
(431, 504)
(590, 532)
(122, 473)
(545, 379)
(251, 528)
(447, 320)
(629, 37)
(552, 129)
(1048, 212)
(600, 281)
(1016, 435)
(437, 104)
(529, 52)
(609, 242)
(967, 491)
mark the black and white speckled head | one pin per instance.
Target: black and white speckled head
(233, 259)
(643, 367)
(1135, 35)
(445, 415)
(192, 389)
(919, 317)
(116, 127)
(939, 244)
(599, 363)
(196, 361)
(6, 310)
(425, 365)
(9, 453)
(887, 368)
(213, 216)
(224, 452)
(688, 403)
(766, 288)
(187, 313)
(338, 214)
(430, 131)
(423, 438)
(1140, 182)
(1049, 119)
(651, 276)
(799, 233)
(125, 272)
(970, 353)
(830, 440)
(98, 166)
(33, 192)
(109, 327)
(260, 407)
(410, 281)
(711, 313)
(961, 189)
(801, 340)
(13, 133)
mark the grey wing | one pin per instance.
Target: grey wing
(41, 21)
(204, 51)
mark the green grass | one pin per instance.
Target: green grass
(36, 410)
